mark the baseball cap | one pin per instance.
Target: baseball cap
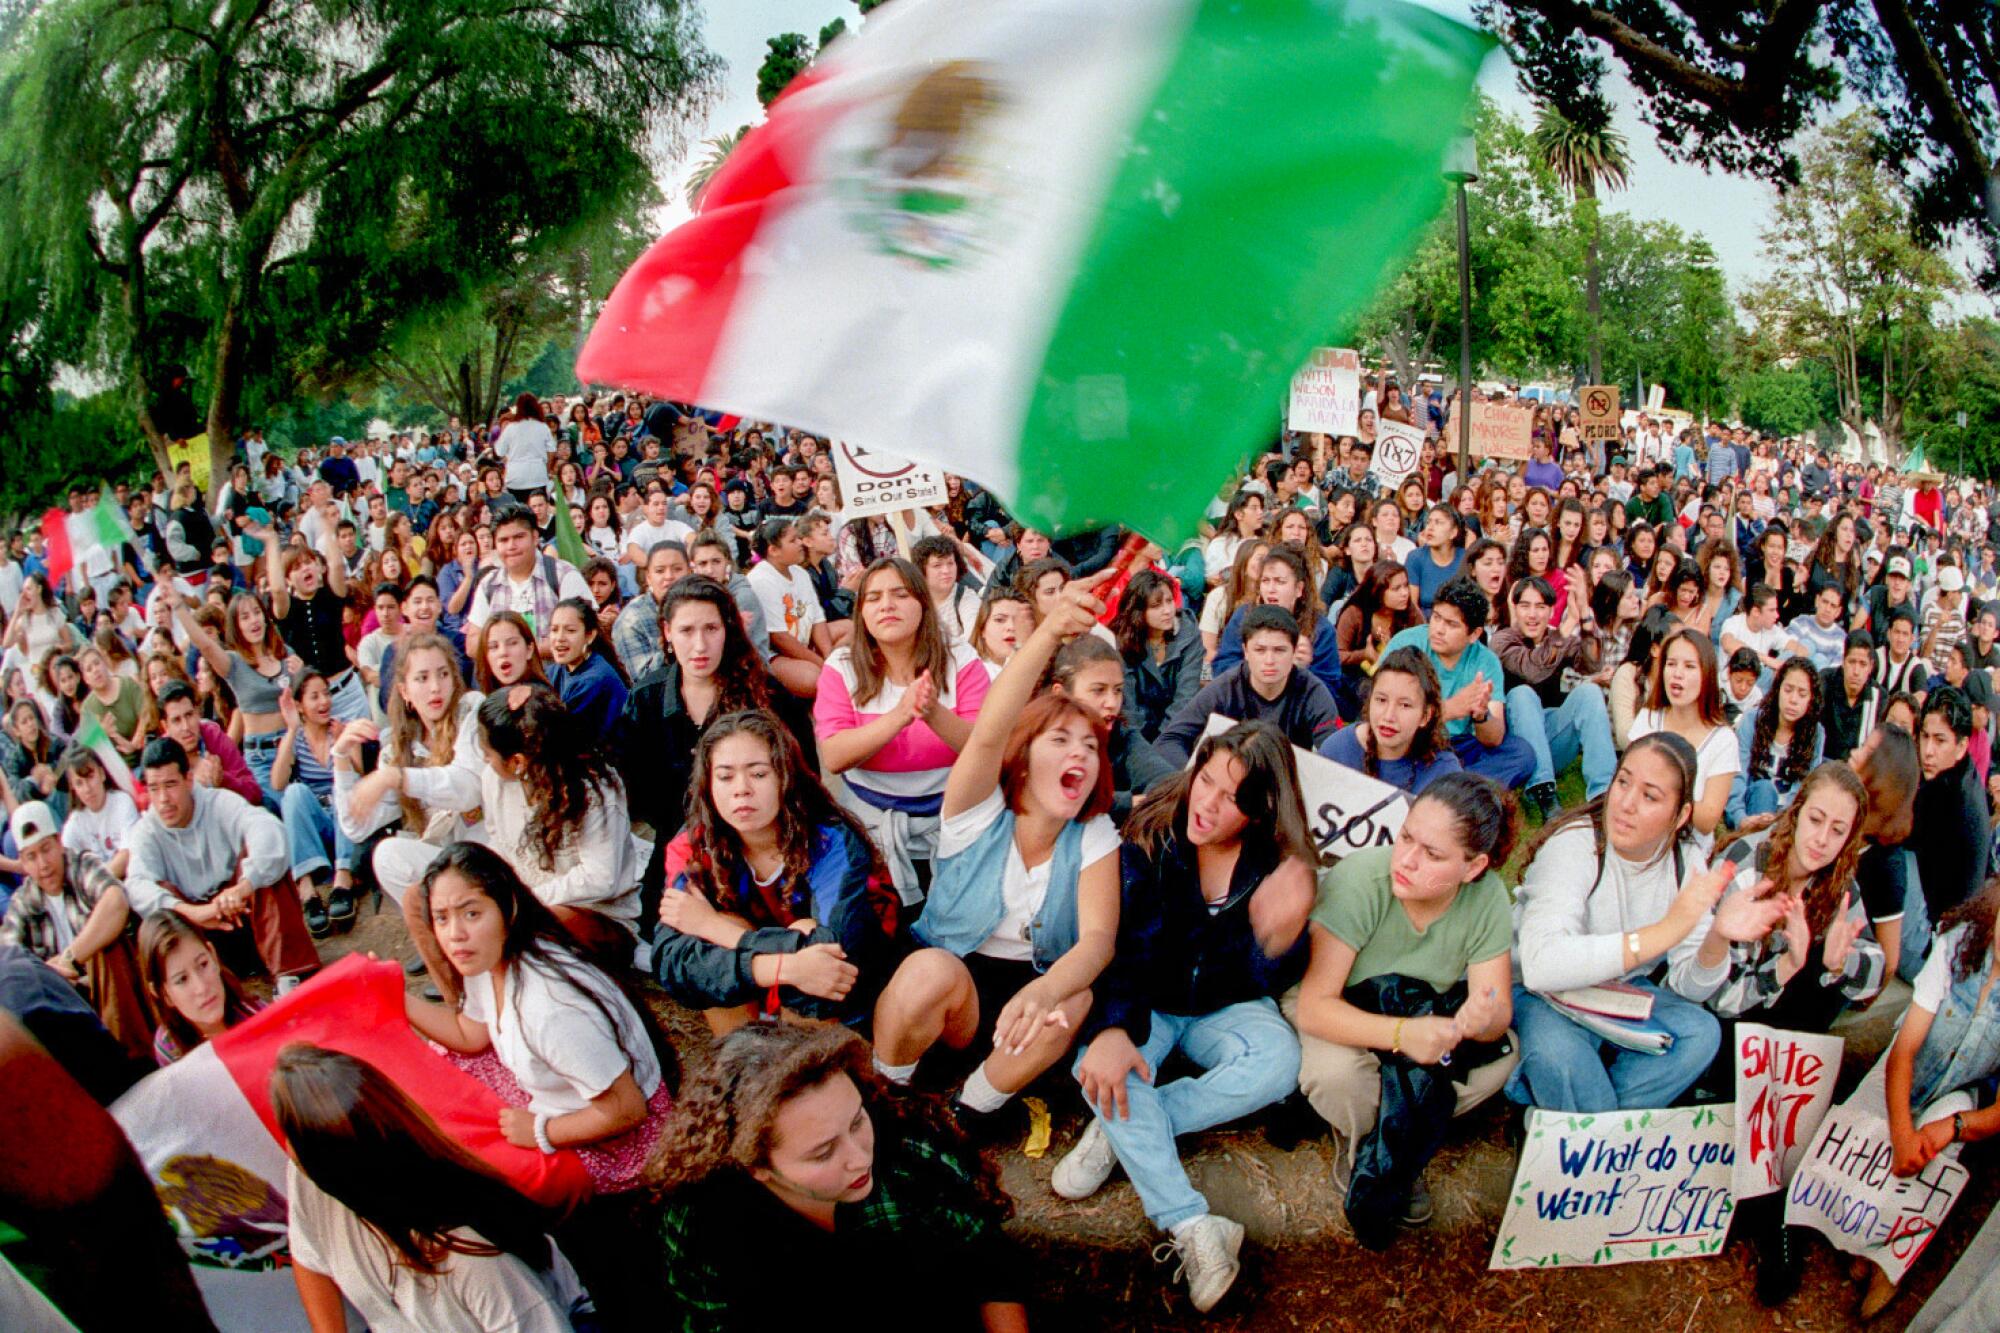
(32, 823)
(1951, 579)
(1900, 565)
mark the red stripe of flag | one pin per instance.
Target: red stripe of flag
(356, 1006)
(55, 538)
(663, 322)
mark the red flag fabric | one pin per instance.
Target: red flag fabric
(356, 1007)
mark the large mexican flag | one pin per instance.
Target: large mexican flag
(1072, 249)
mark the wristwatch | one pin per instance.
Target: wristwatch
(1957, 1126)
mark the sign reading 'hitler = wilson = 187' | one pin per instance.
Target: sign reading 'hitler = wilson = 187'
(873, 482)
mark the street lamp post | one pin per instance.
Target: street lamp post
(1461, 167)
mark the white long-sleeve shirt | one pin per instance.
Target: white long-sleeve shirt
(200, 860)
(597, 869)
(1570, 921)
(448, 788)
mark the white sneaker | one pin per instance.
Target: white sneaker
(1207, 1250)
(1087, 1166)
(286, 985)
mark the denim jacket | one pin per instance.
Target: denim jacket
(965, 903)
(1963, 1045)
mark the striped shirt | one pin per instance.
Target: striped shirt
(1753, 967)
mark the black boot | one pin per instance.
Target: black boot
(1542, 799)
(1781, 1264)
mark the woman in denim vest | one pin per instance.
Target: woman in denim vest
(1023, 912)
(1948, 1046)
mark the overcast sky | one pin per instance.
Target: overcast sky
(1729, 210)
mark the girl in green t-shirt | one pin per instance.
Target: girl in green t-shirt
(1409, 970)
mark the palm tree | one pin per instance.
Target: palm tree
(1585, 154)
(718, 151)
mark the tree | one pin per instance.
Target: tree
(1964, 376)
(1731, 84)
(787, 56)
(1786, 401)
(1586, 155)
(269, 192)
(1849, 285)
(831, 31)
(1667, 313)
(715, 152)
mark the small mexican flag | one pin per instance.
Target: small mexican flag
(1072, 249)
(93, 737)
(74, 538)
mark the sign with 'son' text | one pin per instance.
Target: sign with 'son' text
(872, 482)
(1619, 1187)
(1784, 1085)
(1326, 393)
(1846, 1189)
(1598, 410)
(1347, 810)
(1398, 446)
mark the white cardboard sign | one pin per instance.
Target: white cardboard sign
(1326, 393)
(1398, 446)
(872, 482)
(1347, 810)
(1619, 1187)
(1846, 1190)
(1784, 1086)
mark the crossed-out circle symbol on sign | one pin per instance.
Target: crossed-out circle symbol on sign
(855, 454)
(1599, 404)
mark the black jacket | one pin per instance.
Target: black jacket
(1952, 838)
(1174, 955)
(1155, 691)
(653, 745)
(1304, 712)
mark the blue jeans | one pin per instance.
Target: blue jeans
(1251, 1056)
(1916, 923)
(1557, 735)
(1564, 1067)
(310, 830)
(260, 751)
(1510, 763)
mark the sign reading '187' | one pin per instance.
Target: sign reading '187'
(873, 482)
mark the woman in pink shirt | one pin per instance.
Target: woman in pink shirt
(894, 707)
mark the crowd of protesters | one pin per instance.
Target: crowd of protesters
(920, 811)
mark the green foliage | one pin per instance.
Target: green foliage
(1781, 401)
(865, 6)
(831, 31)
(1964, 376)
(1849, 286)
(65, 438)
(787, 57)
(715, 152)
(273, 194)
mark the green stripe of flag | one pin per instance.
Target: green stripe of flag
(1289, 160)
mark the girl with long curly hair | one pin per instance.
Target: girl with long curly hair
(1813, 964)
(790, 1141)
(1817, 960)
(555, 807)
(1779, 743)
(775, 900)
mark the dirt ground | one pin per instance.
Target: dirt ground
(1091, 1265)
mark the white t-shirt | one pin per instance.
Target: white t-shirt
(1933, 981)
(1761, 642)
(789, 602)
(646, 535)
(472, 1295)
(1021, 889)
(525, 446)
(102, 832)
(1716, 756)
(554, 1041)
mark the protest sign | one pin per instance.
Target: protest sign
(1326, 393)
(1346, 809)
(1619, 1187)
(1844, 1188)
(1784, 1085)
(1398, 445)
(1499, 430)
(1599, 414)
(872, 482)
